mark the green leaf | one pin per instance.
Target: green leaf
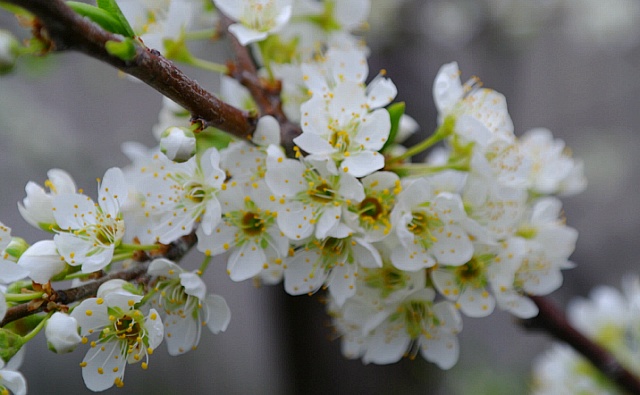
(396, 110)
(10, 344)
(125, 50)
(211, 137)
(112, 8)
(99, 16)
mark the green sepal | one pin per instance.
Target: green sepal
(211, 137)
(16, 247)
(112, 8)
(10, 344)
(99, 16)
(177, 50)
(396, 111)
(274, 49)
(125, 50)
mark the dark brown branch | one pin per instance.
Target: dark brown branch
(174, 251)
(266, 94)
(70, 31)
(553, 321)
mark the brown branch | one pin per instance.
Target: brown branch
(70, 31)
(174, 251)
(553, 321)
(266, 94)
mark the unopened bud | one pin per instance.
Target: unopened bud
(178, 144)
(62, 333)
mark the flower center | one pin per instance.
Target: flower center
(370, 209)
(322, 193)
(252, 224)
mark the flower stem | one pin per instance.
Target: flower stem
(37, 329)
(441, 133)
(138, 247)
(209, 66)
(205, 265)
(23, 297)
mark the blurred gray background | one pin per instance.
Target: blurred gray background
(572, 66)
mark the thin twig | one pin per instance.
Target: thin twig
(174, 251)
(69, 31)
(554, 322)
(266, 94)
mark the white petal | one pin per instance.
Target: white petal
(303, 273)
(294, 219)
(219, 313)
(452, 247)
(110, 362)
(360, 164)
(246, 35)
(386, 346)
(164, 267)
(314, 144)
(193, 285)
(380, 92)
(267, 131)
(42, 261)
(155, 329)
(328, 222)
(246, 262)
(476, 302)
(342, 282)
(220, 240)
(113, 191)
(14, 381)
(182, 333)
(443, 350)
(411, 258)
(447, 88)
(366, 254)
(74, 211)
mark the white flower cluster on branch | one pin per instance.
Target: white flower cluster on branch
(404, 249)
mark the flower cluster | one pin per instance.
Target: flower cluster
(404, 249)
(612, 319)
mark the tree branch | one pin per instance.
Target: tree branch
(265, 94)
(70, 31)
(174, 251)
(551, 320)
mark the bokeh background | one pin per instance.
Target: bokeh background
(572, 66)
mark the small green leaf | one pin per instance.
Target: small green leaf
(99, 16)
(396, 110)
(125, 50)
(211, 137)
(177, 50)
(112, 8)
(10, 344)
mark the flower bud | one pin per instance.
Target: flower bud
(62, 333)
(16, 248)
(178, 144)
(8, 51)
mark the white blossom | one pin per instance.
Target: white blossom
(90, 232)
(37, 207)
(185, 306)
(125, 334)
(256, 18)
